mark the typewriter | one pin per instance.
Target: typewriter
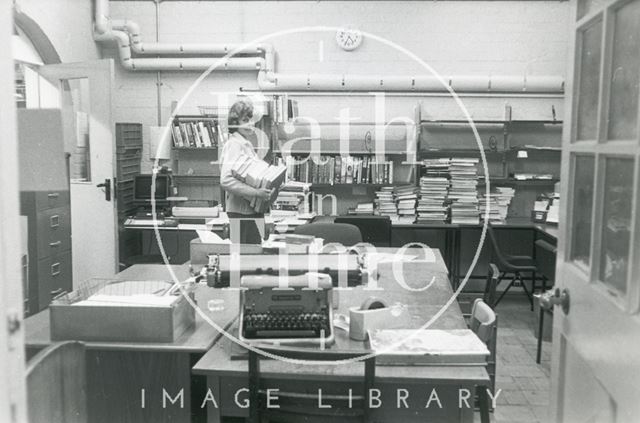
(286, 309)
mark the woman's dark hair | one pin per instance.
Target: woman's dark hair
(240, 110)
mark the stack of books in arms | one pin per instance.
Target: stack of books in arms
(406, 197)
(258, 174)
(334, 170)
(463, 192)
(292, 200)
(499, 201)
(386, 204)
(195, 134)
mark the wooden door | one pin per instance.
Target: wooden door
(85, 100)
(596, 350)
(13, 407)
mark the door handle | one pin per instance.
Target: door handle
(560, 298)
(107, 189)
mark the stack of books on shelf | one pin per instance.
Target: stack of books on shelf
(385, 203)
(195, 133)
(285, 109)
(463, 191)
(334, 170)
(432, 206)
(362, 209)
(436, 167)
(292, 200)
(258, 174)
(406, 198)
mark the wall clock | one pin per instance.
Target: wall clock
(348, 38)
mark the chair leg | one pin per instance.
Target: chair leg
(526, 291)
(483, 399)
(504, 292)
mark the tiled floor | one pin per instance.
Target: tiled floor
(525, 385)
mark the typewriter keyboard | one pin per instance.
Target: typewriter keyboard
(286, 324)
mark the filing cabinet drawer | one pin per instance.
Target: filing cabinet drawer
(54, 231)
(54, 277)
(51, 199)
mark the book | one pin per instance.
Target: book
(428, 347)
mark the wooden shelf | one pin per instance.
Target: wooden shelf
(194, 148)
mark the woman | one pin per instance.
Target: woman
(238, 195)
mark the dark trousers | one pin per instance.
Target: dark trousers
(249, 233)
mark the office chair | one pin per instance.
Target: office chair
(484, 323)
(375, 230)
(303, 406)
(509, 264)
(343, 233)
(493, 276)
(56, 384)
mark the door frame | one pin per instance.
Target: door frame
(12, 360)
(100, 110)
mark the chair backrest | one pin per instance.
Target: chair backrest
(493, 278)
(375, 230)
(499, 256)
(303, 406)
(345, 234)
(482, 320)
(56, 384)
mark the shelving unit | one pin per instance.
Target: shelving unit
(501, 140)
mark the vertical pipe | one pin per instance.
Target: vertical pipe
(158, 74)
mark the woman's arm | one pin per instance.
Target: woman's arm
(231, 153)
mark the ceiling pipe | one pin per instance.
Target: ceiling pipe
(324, 82)
(127, 35)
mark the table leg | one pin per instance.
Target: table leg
(483, 400)
(213, 411)
(540, 326)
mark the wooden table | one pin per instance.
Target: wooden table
(118, 371)
(226, 377)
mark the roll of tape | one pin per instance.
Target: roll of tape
(373, 303)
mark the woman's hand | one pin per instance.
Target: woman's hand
(264, 194)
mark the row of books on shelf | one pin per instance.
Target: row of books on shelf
(196, 134)
(285, 109)
(334, 170)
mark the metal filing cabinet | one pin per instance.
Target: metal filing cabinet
(45, 202)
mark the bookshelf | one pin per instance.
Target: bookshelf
(350, 170)
(511, 148)
(196, 141)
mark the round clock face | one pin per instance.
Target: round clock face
(348, 38)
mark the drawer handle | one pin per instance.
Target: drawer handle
(54, 221)
(56, 292)
(55, 244)
(53, 195)
(55, 269)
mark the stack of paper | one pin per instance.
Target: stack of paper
(385, 203)
(406, 198)
(364, 209)
(428, 347)
(258, 174)
(463, 192)
(432, 207)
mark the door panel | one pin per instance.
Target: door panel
(596, 340)
(85, 97)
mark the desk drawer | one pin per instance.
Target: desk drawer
(54, 231)
(51, 199)
(54, 277)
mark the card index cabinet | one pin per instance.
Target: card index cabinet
(45, 202)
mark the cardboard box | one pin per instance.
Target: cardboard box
(74, 316)
(200, 251)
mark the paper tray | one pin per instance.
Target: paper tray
(73, 318)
